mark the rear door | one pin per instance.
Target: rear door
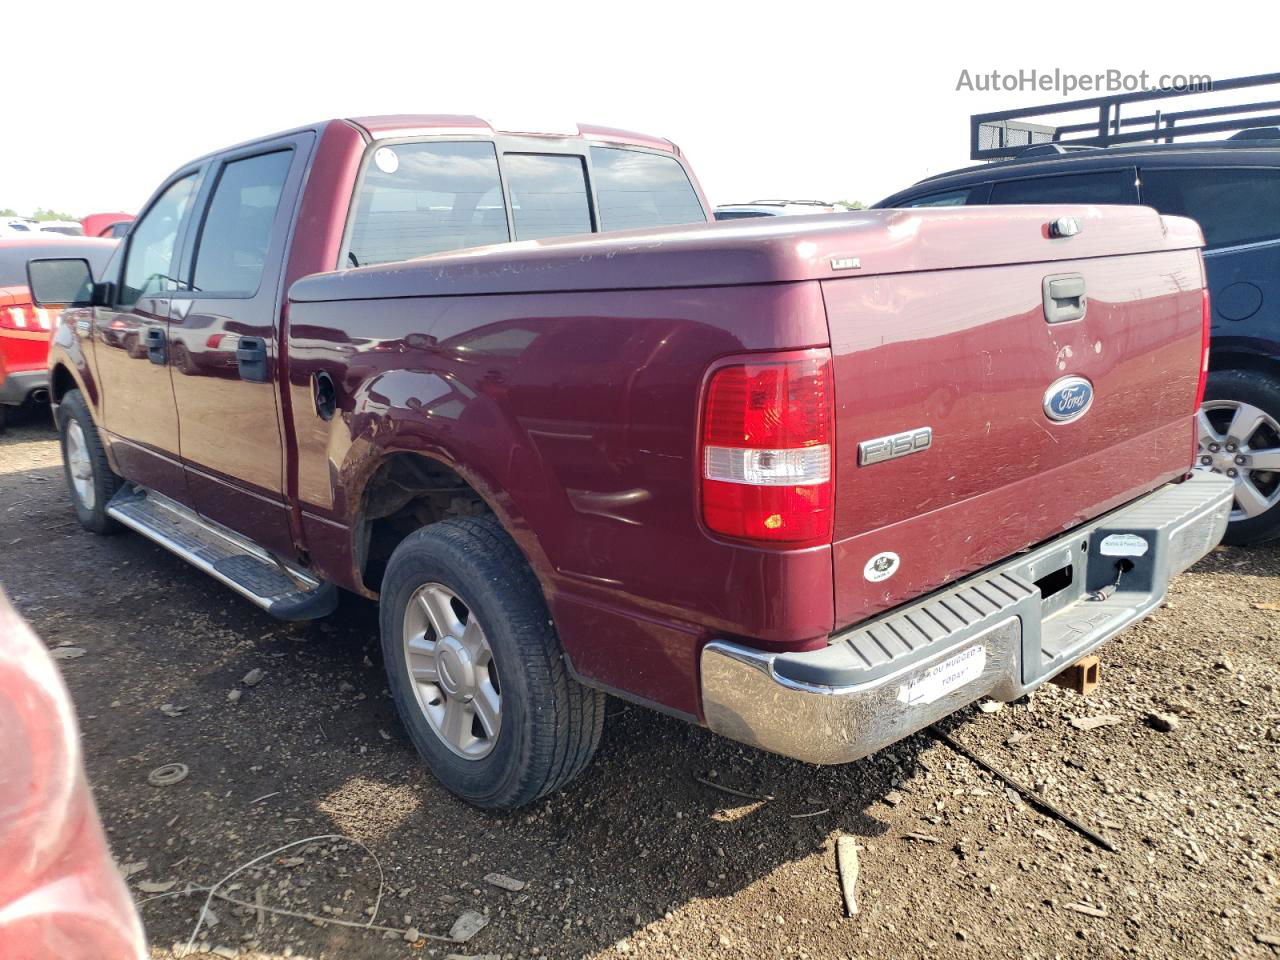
(224, 340)
(132, 351)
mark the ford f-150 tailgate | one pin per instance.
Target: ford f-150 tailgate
(1002, 374)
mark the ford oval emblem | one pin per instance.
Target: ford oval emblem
(1068, 398)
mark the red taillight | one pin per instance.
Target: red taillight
(766, 450)
(26, 316)
(1205, 318)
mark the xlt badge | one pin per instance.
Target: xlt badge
(894, 446)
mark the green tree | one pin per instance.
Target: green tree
(43, 214)
(8, 212)
(850, 204)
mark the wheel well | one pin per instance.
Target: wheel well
(61, 383)
(407, 491)
(1239, 360)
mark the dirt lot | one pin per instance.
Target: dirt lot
(638, 857)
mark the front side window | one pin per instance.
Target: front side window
(1232, 205)
(422, 198)
(232, 251)
(1110, 186)
(148, 268)
(636, 189)
(950, 198)
(548, 194)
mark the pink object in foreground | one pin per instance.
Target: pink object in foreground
(61, 895)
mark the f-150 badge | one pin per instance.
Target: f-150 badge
(894, 445)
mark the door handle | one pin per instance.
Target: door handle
(325, 394)
(1064, 297)
(251, 357)
(155, 341)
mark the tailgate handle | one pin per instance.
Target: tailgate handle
(1064, 297)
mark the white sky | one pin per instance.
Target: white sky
(798, 100)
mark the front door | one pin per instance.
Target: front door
(132, 351)
(223, 329)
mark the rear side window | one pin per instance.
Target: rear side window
(237, 228)
(949, 198)
(548, 194)
(1232, 205)
(422, 198)
(1110, 186)
(636, 189)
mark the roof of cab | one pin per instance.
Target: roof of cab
(437, 124)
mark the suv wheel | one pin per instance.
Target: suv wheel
(90, 481)
(476, 669)
(1240, 437)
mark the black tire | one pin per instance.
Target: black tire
(550, 724)
(1263, 392)
(104, 483)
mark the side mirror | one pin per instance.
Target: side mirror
(65, 282)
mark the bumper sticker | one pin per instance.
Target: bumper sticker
(881, 567)
(942, 678)
(1123, 545)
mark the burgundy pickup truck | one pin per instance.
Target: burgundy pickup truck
(813, 481)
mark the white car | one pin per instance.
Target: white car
(774, 208)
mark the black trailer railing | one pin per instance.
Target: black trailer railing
(1006, 133)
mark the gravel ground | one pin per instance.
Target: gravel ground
(638, 857)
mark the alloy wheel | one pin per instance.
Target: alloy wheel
(79, 466)
(452, 670)
(1243, 442)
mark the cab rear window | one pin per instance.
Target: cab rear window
(637, 189)
(422, 198)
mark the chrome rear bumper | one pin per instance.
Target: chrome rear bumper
(994, 634)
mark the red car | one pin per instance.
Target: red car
(24, 327)
(110, 225)
(60, 892)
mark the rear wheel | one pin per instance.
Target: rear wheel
(90, 481)
(476, 669)
(1239, 430)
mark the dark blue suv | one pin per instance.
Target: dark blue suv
(1232, 188)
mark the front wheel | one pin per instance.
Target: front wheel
(476, 670)
(1239, 430)
(90, 481)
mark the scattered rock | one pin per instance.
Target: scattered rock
(148, 886)
(253, 677)
(1086, 909)
(1164, 722)
(847, 864)
(235, 695)
(169, 710)
(893, 798)
(504, 882)
(346, 687)
(1092, 723)
(412, 935)
(127, 870)
(67, 653)
(467, 926)
(991, 706)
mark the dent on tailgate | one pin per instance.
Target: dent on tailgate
(969, 354)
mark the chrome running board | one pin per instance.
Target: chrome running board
(281, 589)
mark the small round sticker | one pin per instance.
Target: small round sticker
(881, 567)
(386, 160)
